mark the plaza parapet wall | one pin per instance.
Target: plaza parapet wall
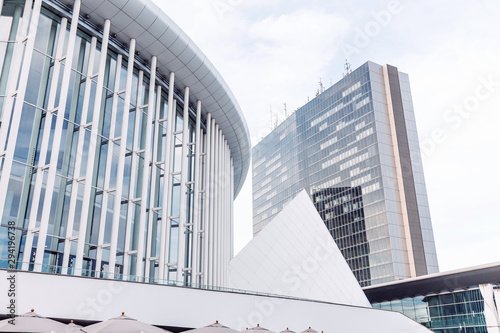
(121, 147)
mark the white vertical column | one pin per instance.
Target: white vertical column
(9, 52)
(226, 205)
(217, 198)
(221, 207)
(109, 161)
(42, 159)
(196, 197)
(229, 203)
(61, 108)
(154, 175)
(213, 202)
(19, 58)
(92, 149)
(231, 208)
(211, 216)
(14, 116)
(181, 252)
(206, 195)
(145, 171)
(222, 202)
(220, 198)
(133, 171)
(167, 181)
(123, 149)
(78, 160)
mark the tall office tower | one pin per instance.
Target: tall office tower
(355, 149)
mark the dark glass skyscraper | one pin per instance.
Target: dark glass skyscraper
(342, 210)
(355, 149)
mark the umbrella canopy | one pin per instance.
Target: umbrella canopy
(32, 323)
(287, 331)
(214, 328)
(309, 330)
(257, 329)
(73, 328)
(122, 324)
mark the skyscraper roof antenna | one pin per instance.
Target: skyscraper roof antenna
(347, 68)
(272, 116)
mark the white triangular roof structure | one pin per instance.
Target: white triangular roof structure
(295, 255)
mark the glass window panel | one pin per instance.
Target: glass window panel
(85, 153)
(123, 76)
(109, 219)
(130, 131)
(176, 195)
(79, 199)
(119, 117)
(45, 34)
(126, 175)
(133, 96)
(136, 233)
(102, 163)
(90, 112)
(178, 120)
(123, 226)
(174, 242)
(95, 218)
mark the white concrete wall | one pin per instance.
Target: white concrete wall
(97, 299)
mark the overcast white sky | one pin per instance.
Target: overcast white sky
(275, 51)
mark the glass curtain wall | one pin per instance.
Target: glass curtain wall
(454, 312)
(37, 129)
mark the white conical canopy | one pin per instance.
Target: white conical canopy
(213, 328)
(33, 323)
(122, 324)
(257, 329)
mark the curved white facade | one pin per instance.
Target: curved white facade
(123, 164)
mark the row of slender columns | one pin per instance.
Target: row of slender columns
(216, 235)
(12, 110)
(121, 155)
(204, 238)
(51, 111)
(70, 237)
(197, 217)
(145, 173)
(91, 167)
(167, 183)
(153, 208)
(109, 160)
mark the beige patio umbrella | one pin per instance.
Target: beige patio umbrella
(73, 328)
(213, 328)
(287, 331)
(31, 322)
(310, 330)
(257, 329)
(122, 324)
